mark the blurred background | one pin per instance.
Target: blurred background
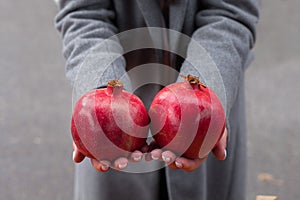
(35, 104)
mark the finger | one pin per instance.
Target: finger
(168, 157)
(219, 153)
(148, 157)
(165, 157)
(77, 155)
(121, 163)
(152, 146)
(173, 166)
(102, 166)
(136, 156)
(189, 164)
(156, 154)
(219, 150)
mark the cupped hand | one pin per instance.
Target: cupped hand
(104, 165)
(187, 164)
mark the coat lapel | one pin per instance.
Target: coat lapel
(151, 12)
(153, 17)
(177, 14)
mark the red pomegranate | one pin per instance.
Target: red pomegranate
(109, 123)
(187, 118)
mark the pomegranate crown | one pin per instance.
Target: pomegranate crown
(194, 80)
(115, 83)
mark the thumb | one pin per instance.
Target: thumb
(77, 155)
(219, 150)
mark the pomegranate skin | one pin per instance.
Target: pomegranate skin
(187, 118)
(109, 123)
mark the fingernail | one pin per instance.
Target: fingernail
(137, 158)
(225, 153)
(166, 159)
(73, 155)
(104, 167)
(178, 164)
(154, 157)
(122, 165)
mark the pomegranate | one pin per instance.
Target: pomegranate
(187, 118)
(109, 123)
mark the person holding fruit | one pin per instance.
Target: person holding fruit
(225, 29)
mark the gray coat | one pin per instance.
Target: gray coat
(225, 29)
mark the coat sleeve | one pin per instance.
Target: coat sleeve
(91, 59)
(224, 37)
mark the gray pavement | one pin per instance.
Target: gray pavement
(273, 95)
(35, 104)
